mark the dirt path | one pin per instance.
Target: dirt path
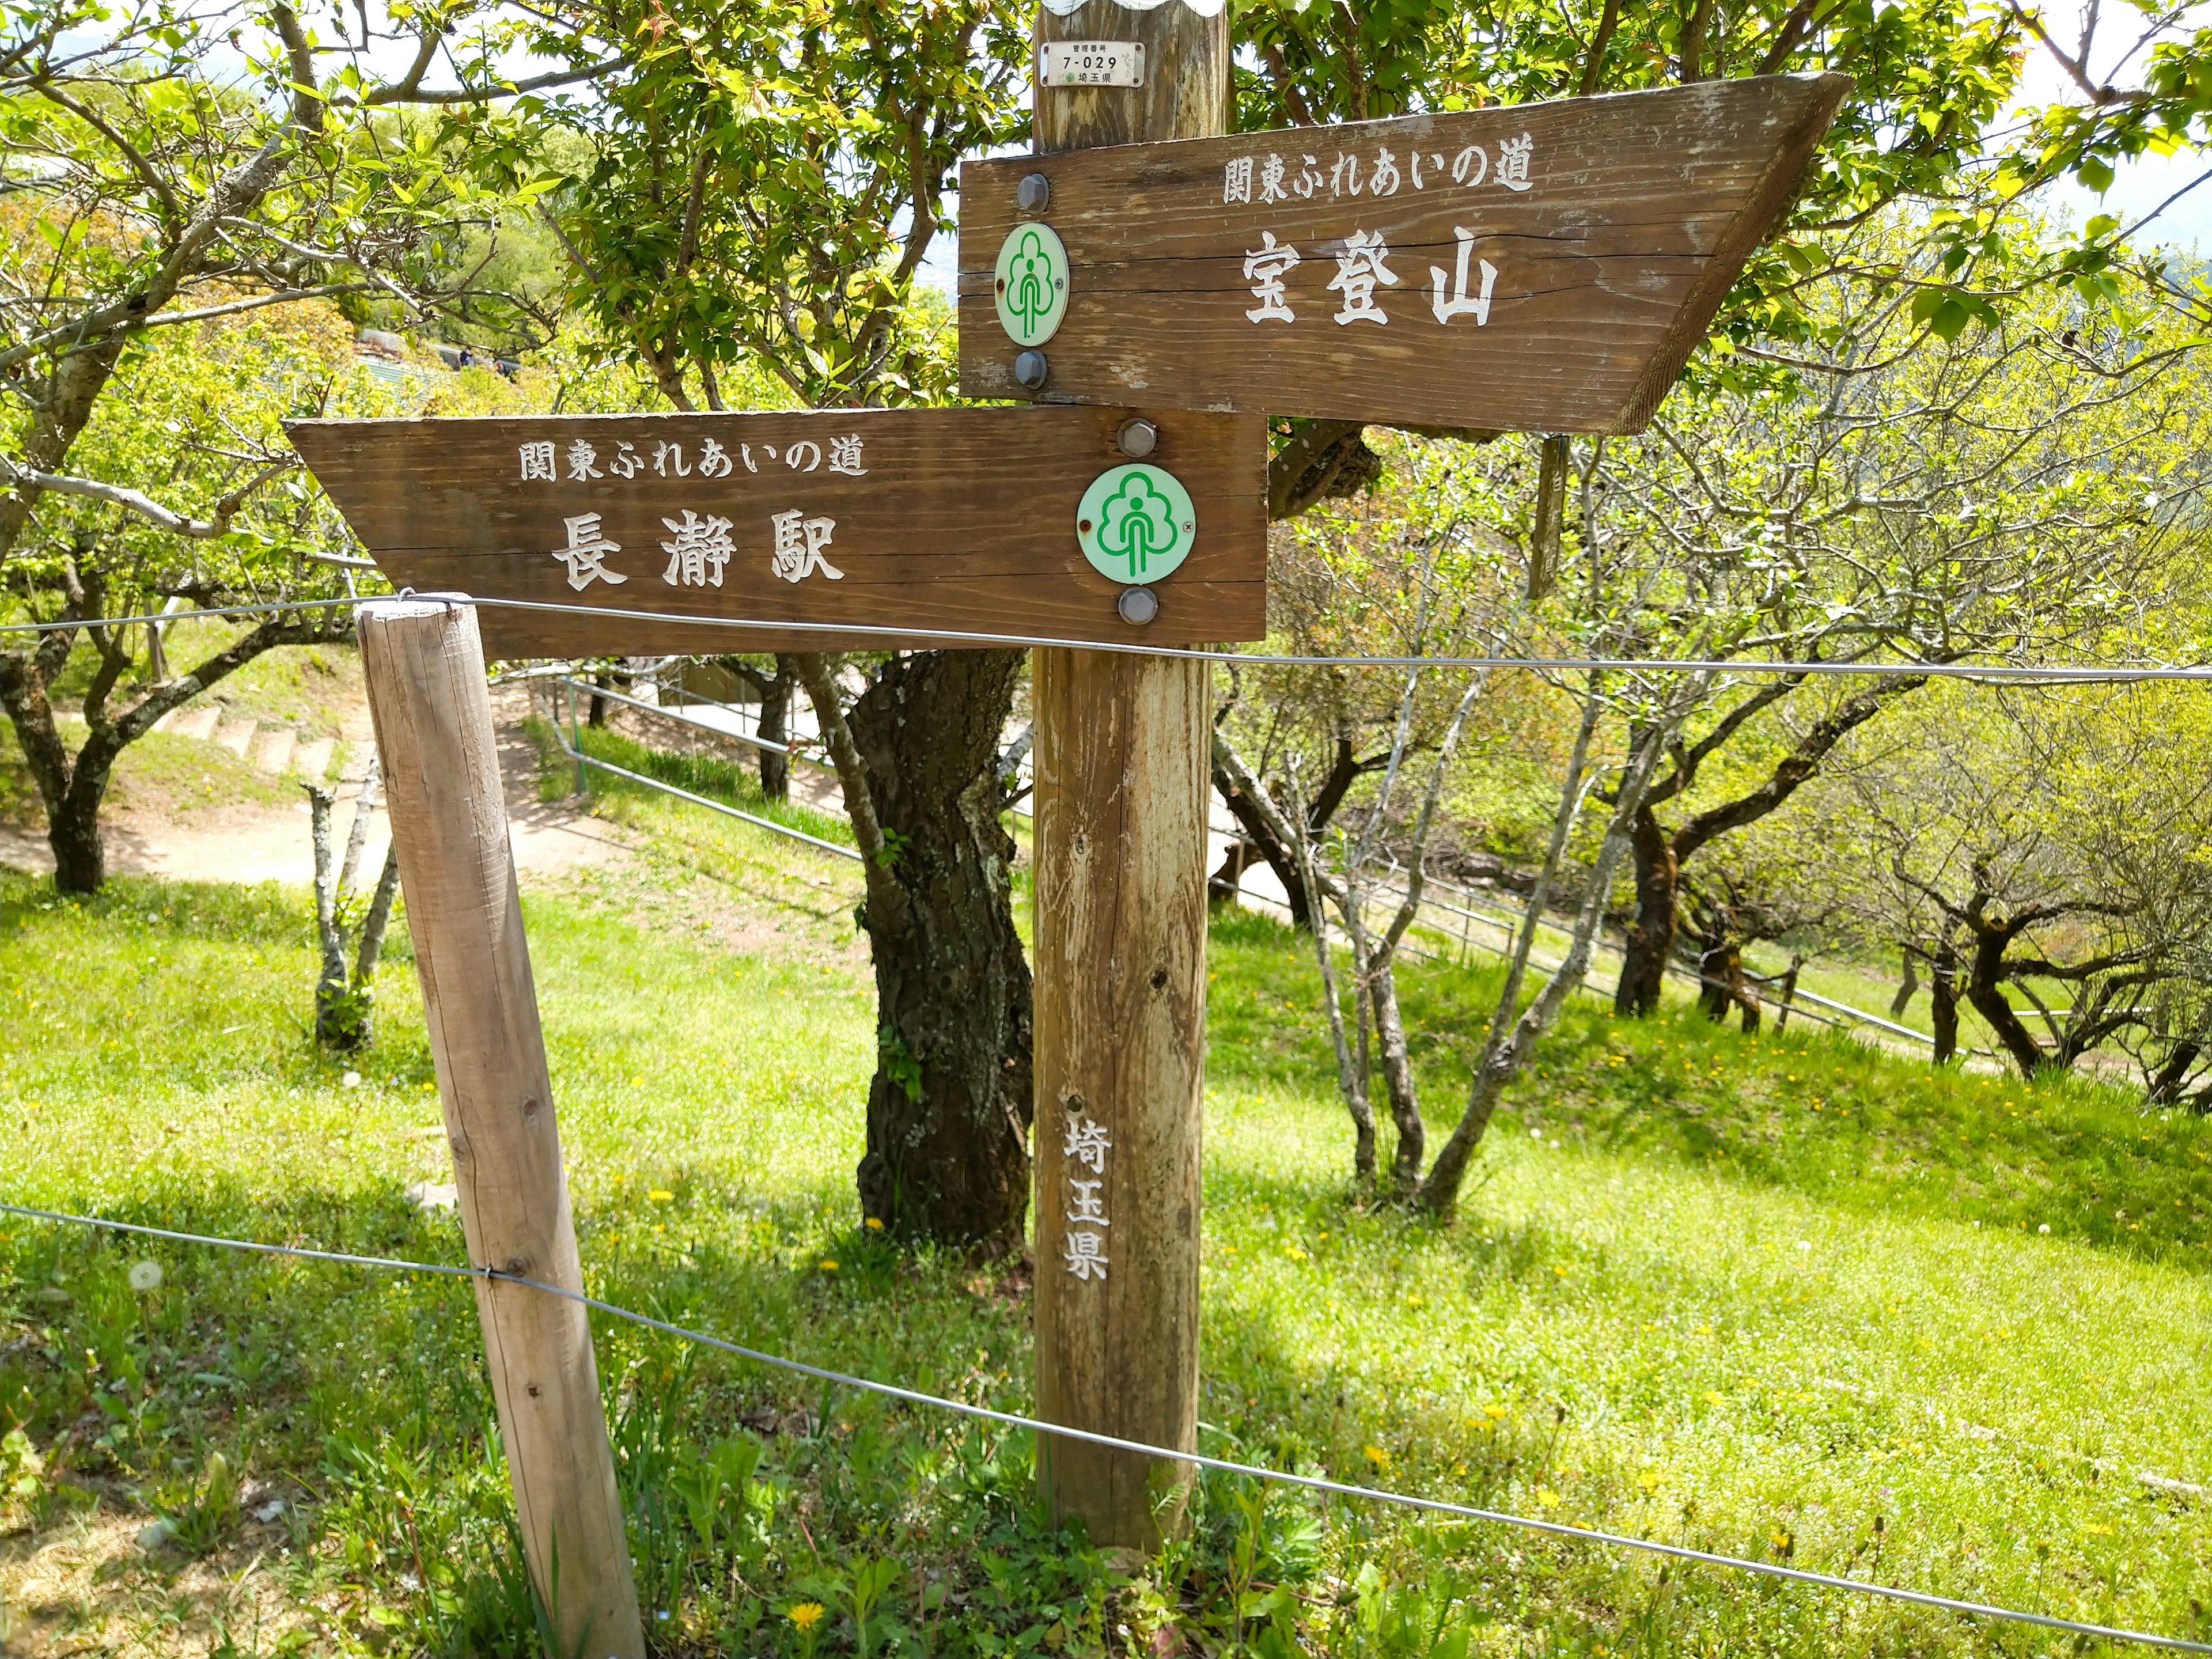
(249, 842)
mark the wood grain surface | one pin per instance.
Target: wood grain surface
(1123, 751)
(1640, 209)
(957, 519)
(425, 668)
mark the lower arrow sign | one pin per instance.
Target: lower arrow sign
(970, 519)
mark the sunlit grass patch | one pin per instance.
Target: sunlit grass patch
(1724, 1290)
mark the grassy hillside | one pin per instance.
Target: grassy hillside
(1783, 1296)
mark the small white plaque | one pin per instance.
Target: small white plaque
(1092, 64)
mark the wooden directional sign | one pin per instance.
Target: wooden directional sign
(1544, 267)
(1029, 521)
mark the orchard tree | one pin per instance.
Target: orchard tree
(2044, 846)
(181, 179)
(752, 198)
(1987, 498)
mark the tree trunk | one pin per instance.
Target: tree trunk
(1398, 1079)
(1986, 990)
(2166, 1083)
(1943, 1000)
(1280, 859)
(72, 832)
(949, 1108)
(776, 727)
(1721, 986)
(1651, 936)
(1907, 988)
(1224, 885)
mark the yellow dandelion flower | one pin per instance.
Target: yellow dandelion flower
(1547, 1498)
(1377, 1456)
(1649, 1480)
(827, 1265)
(875, 1223)
(1715, 1397)
(806, 1615)
(660, 1195)
(1493, 1410)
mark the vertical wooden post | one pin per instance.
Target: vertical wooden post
(1123, 757)
(424, 665)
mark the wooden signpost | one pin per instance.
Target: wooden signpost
(1545, 267)
(1009, 520)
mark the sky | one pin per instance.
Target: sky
(2117, 53)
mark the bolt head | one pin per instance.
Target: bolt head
(1030, 369)
(1137, 439)
(1033, 193)
(1138, 605)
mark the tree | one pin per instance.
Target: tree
(2047, 845)
(346, 995)
(1401, 575)
(1980, 498)
(756, 193)
(774, 688)
(151, 195)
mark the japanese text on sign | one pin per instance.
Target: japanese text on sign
(1086, 1148)
(1257, 180)
(542, 462)
(699, 546)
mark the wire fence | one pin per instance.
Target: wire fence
(893, 637)
(897, 638)
(1560, 1529)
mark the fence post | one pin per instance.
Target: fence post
(1123, 759)
(423, 660)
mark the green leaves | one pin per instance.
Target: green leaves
(1946, 312)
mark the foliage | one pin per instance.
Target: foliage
(760, 186)
(1623, 1332)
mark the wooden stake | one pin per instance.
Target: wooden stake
(1122, 747)
(424, 664)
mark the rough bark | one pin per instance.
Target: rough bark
(1986, 972)
(775, 691)
(947, 1157)
(1943, 1000)
(1651, 936)
(1651, 939)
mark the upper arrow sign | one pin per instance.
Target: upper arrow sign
(1541, 267)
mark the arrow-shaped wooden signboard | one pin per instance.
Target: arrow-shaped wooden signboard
(1022, 521)
(1543, 267)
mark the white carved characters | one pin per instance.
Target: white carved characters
(1086, 1145)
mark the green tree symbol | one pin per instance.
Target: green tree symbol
(1029, 292)
(1137, 522)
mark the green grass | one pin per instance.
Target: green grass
(1783, 1296)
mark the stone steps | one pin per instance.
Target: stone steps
(186, 721)
(312, 760)
(236, 736)
(272, 751)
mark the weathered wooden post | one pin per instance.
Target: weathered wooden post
(1122, 747)
(425, 667)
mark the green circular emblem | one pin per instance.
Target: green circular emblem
(1032, 283)
(1136, 523)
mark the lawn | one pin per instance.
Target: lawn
(1783, 1295)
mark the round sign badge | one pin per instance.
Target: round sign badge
(1136, 523)
(1032, 283)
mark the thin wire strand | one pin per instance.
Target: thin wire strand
(2045, 674)
(1252, 1470)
